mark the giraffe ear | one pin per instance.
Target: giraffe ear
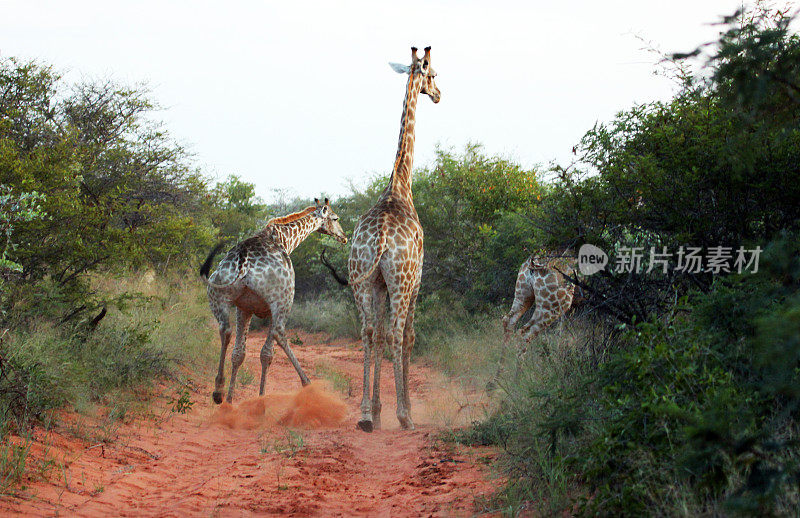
(316, 202)
(327, 202)
(400, 69)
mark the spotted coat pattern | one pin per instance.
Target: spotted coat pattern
(257, 278)
(541, 282)
(385, 264)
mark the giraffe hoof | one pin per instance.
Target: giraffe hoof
(406, 424)
(217, 397)
(365, 426)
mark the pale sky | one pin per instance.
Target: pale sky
(299, 96)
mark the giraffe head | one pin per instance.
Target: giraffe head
(422, 69)
(329, 223)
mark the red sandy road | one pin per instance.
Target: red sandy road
(185, 466)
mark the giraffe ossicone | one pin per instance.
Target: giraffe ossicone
(257, 278)
(385, 263)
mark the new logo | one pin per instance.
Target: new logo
(591, 259)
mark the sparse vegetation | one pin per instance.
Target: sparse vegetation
(13, 459)
(288, 445)
(339, 381)
(333, 314)
(245, 378)
(459, 342)
(181, 402)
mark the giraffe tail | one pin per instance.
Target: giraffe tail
(205, 269)
(330, 267)
(371, 270)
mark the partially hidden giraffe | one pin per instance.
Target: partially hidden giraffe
(540, 281)
(386, 260)
(257, 278)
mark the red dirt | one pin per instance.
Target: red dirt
(288, 453)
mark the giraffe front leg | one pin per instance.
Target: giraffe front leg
(377, 354)
(237, 356)
(365, 423)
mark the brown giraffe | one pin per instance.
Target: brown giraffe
(386, 259)
(540, 281)
(257, 277)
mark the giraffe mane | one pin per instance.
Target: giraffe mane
(283, 220)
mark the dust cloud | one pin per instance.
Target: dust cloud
(313, 406)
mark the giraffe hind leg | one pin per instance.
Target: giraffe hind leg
(363, 297)
(237, 356)
(266, 357)
(378, 341)
(409, 338)
(221, 313)
(541, 318)
(397, 318)
(524, 298)
(279, 332)
(518, 308)
(219, 381)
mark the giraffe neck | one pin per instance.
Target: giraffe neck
(290, 235)
(400, 182)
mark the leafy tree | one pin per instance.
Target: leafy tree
(718, 165)
(462, 199)
(238, 210)
(15, 208)
(117, 191)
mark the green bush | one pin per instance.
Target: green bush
(691, 408)
(692, 413)
(46, 367)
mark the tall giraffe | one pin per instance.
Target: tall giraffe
(386, 259)
(540, 281)
(257, 277)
